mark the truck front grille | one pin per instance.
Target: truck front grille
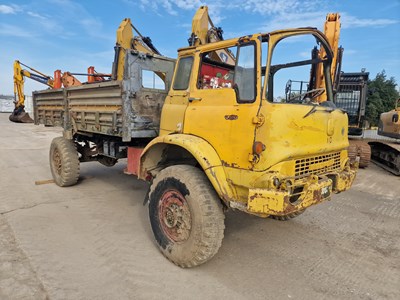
(317, 165)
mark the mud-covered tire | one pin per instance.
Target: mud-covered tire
(186, 215)
(64, 162)
(288, 217)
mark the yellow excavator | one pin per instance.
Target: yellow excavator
(358, 149)
(387, 154)
(19, 115)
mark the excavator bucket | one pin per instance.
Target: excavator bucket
(20, 116)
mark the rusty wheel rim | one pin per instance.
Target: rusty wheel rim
(174, 216)
(57, 161)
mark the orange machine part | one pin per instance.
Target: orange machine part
(132, 167)
(69, 80)
(90, 77)
(57, 79)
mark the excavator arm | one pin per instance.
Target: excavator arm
(126, 41)
(204, 32)
(332, 32)
(358, 149)
(19, 115)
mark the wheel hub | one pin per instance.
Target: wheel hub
(174, 216)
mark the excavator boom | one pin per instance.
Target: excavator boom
(332, 32)
(204, 32)
(126, 41)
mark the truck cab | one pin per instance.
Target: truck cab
(264, 153)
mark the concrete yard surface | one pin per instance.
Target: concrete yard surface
(94, 241)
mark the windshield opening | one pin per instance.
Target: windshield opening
(297, 71)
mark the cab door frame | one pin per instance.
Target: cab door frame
(175, 105)
(218, 116)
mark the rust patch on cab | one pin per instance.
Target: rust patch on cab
(231, 117)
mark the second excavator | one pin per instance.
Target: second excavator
(66, 79)
(384, 153)
(19, 115)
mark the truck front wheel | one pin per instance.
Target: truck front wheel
(64, 162)
(186, 215)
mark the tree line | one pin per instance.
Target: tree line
(382, 95)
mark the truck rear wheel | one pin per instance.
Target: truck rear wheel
(186, 216)
(64, 162)
(289, 216)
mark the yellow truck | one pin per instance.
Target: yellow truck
(217, 133)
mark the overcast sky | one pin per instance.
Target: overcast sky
(72, 35)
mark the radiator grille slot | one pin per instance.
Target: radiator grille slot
(317, 165)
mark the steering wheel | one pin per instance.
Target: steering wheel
(317, 92)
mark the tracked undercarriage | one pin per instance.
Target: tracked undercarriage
(386, 155)
(361, 149)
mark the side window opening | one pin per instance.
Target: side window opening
(217, 69)
(222, 69)
(151, 80)
(264, 56)
(182, 76)
(245, 73)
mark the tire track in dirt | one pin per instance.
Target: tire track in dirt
(18, 280)
(388, 208)
(115, 253)
(124, 249)
(354, 257)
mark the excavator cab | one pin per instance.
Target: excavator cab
(386, 153)
(389, 124)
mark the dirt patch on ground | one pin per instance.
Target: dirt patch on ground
(18, 280)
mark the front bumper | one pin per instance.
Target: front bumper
(312, 190)
(344, 180)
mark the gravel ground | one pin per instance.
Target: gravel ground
(93, 240)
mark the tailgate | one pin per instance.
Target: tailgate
(48, 107)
